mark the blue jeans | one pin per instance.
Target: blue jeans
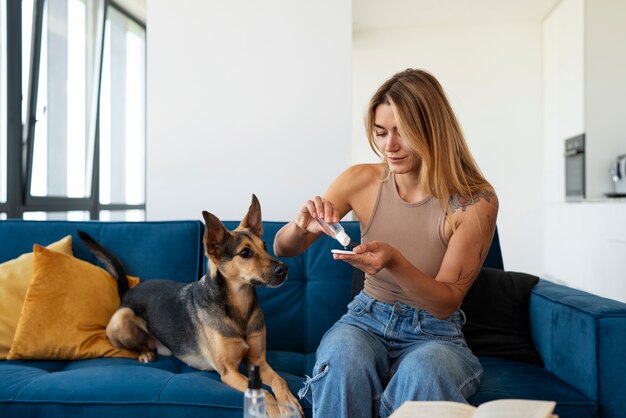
(377, 356)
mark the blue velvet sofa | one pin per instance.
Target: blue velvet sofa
(581, 338)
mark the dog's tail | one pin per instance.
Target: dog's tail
(111, 263)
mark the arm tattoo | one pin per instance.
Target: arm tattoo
(457, 201)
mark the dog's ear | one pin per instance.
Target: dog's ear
(252, 221)
(215, 234)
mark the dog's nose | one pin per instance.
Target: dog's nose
(280, 270)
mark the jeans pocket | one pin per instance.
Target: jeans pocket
(356, 307)
(440, 329)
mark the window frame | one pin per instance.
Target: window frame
(20, 139)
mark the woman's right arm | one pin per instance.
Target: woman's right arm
(348, 188)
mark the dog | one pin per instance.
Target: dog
(212, 324)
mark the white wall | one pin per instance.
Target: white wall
(563, 85)
(492, 76)
(605, 90)
(585, 243)
(245, 97)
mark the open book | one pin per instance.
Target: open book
(502, 408)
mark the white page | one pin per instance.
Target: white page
(430, 409)
(515, 408)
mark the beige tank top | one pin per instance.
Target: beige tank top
(415, 229)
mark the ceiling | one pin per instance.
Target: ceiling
(376, 14)
(379, 14)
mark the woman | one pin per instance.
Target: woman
(427, 218)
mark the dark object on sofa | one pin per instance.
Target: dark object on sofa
(580, 337)
(498, 317)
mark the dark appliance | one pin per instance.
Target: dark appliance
(575, 168)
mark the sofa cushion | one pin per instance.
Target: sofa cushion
(15, 276)
(118, 387)
(498, 315)
(508, 379)
(66, 310)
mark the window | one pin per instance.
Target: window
(46, 216)
(123, 111)
(27, 31)
(65, 88)
(122, 215)
(3, 102)
(78, 68)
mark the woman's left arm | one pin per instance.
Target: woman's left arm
(468, 246)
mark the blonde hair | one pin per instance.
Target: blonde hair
(427, 124)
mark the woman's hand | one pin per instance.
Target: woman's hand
(371, 257)
(295, 237)
(317, 207)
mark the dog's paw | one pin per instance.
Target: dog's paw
(268, 396)
(147, 356)
(277, 407)
(289, 398)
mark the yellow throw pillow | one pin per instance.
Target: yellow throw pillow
(15, 276)
(67, 308)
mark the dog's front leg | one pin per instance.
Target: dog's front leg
(256, 355)
(226, 355)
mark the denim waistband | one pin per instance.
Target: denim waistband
(399, 308)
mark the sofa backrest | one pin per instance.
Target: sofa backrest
(150, 250)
